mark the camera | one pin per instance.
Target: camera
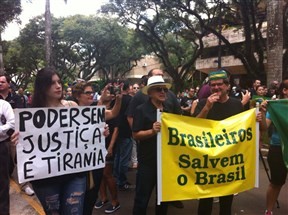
(115, 90)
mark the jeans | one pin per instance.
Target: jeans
(4, 177)
(65, 197)
(205, 205)
(146, 179)
(122, 158)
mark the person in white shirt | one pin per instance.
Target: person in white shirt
(7, 124)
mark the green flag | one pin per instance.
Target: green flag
(278, 110)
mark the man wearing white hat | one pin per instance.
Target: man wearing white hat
(170, 102)
(145, 128)
(140, 98)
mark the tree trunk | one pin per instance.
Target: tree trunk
(1, 57)
(48, 33)
(274, 40)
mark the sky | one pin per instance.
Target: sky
(32, 8)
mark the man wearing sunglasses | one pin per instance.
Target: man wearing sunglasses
(217, 106)
(145, 128)
(170, 103)
(139, 98)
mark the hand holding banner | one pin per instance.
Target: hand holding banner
(58, 141)
(205, 158)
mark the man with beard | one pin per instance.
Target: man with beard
(218, 106)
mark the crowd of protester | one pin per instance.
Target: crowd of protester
(133, 144)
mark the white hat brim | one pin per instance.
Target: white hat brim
(146, 88)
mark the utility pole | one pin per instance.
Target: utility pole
(48, 33)
(274, 40)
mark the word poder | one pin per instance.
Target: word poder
(59, 141)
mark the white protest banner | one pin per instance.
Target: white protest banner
(59, 141)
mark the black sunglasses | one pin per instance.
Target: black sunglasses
(160, 89)
(88, 93)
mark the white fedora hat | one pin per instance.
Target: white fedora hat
(153, 81)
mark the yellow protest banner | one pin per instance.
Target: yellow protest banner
(203, 158)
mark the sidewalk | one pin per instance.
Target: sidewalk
(251, 202)
(21, 204)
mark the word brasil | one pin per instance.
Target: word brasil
(202, 177)
(230, 168)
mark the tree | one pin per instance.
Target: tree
(240, 14)
(82, 46)
(48, 33)
(198, 18)
(9, 10)
(164, 33)
(15, 63)
(275, 40)
(285, 39)
(25, 55)
(100, 44)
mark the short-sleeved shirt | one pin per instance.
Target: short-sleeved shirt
(124, 129)
(187, 101)
(221, 111)
(275, 138)
(145, 116)
(112, 123)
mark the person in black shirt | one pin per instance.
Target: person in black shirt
(253, 90)
(186, 101)
(170, 103)
(139, 98)
(145, 129)
(124, 143)
(217, 106)
(8, 94)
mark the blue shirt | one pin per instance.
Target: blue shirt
(275, 138)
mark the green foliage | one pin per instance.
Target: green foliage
(82, 46)
(9, 10)
(166, 27)
(24, 56)
(172, 29)
(17, 64)
(162, 31)
(102, 44)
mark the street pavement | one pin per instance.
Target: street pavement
(251, 202)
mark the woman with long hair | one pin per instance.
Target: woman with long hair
(83, 93)
(59, 194)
